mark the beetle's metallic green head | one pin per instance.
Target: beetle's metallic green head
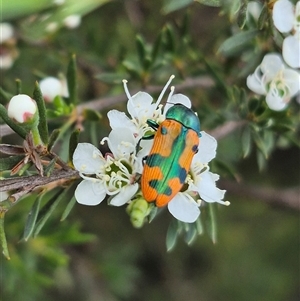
(185, 116)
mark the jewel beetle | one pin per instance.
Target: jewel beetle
(175, 143)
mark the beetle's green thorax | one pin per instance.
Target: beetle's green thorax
(185, 116)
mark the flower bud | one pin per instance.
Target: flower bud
(7, 32)
(22, 108)
(51, 87)
(72, 21)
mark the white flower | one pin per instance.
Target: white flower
(111, 175)
(21, 108)
(72, 21)
(200, 182)
(52, 86)
(277, 82)
(6, 32)
(286, 18)
(141, 108)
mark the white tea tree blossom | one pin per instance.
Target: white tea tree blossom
(112, 174)
(201, 184)
(286, 18)
(273, 79)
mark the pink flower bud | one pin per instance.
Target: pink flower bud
(21, 108)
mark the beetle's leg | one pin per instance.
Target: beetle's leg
(153, 124)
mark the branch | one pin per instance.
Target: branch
(105, 102)
(24, 185)
(226, 128)
(281, 197)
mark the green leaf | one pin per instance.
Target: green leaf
(72, 80)
(18, 86)
(172, 234)
(170, 39)
(68, 209)
(3, 236)
(31, 218)
(238, 42)
(261, 160)
(43, 125)
(153, 211)
(156, 47)
(214, 3)
(141, 49)
(172, 5)
(50, 167)
(73, 142)
(211, 222)
(263, 17)
(40, 27)
(53, 138)
(260, 143)
(9, 162)
(14, 126)
(246, 142)
(190, 234)
(242, 15)
(48, 209)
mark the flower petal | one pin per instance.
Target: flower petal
(283, 15)
(125, 195)
(183, 208)
(275, 102)
(87, 158)
(255, 83)
(291, 51)
(178, 98)
(207, 148)
(119, 119)
(140, 104)
(121, 142)
(207, 188)
(90, 193)
(270, 65)
(292, 80)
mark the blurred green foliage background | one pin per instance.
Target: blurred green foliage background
(96, 254)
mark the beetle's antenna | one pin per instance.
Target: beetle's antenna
(164, 90)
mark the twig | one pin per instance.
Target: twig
(105, 102)
(226, 128)
(284, 197)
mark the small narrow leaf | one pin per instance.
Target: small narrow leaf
(156, 47)
(31, 218)
(264, 15)
(48, 210)
(170, 39)
(172, 233)
(246, 141)
(68, 208)
(9, 162)
(190, 234)
(18, 86)
(213, 3)
(260, 143)
(50, 167)
(172, 5)
(211, 222)
(141, 49)
(236, 43)
(53, 138)
(242, 15)
(43, 125)
(15, 127)
(3, 237)
(72, 80)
